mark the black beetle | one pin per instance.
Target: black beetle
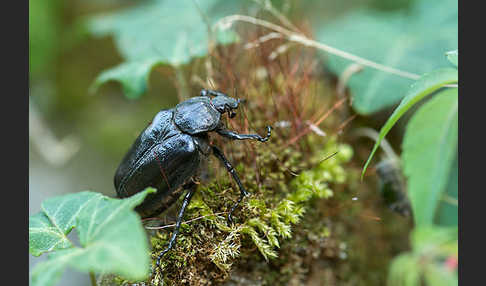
(168, 153)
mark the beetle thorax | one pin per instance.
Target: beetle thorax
(196, 115)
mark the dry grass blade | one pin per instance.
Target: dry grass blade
(304, 40)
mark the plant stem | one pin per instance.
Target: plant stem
(92, 277)
(302, 39)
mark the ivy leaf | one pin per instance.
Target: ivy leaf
(453, 57)
(111, 236)
(406, 40)
(132, 75)
(427, 84)
(50, 271)
(159, 32)
(48, 229)
(44, 237)
(429, 149)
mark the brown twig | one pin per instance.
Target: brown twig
(187, 221)
(308, 129)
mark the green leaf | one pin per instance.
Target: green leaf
(50, 271)
(111, 236)
(436, 274)
(431, 239)
(404, 270)
(406, 40)
(133, 76)
(427, 84)
(433, 244)
(48, 229)
(429, 148)
(447, 212)
(44, 237)
(430, 245)
(160, 32)
(453, 57)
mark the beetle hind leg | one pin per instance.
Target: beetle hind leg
(191, 187)
(219, 154)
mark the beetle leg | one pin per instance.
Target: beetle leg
(191, 189)
(218, 153)
(233, 135)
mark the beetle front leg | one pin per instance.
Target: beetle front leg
(187, 199)
(218, 153)
(235, 136)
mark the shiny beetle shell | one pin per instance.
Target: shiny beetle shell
(162, 157)
(196, 115)
(168, 153)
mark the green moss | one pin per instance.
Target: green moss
(208, 248)
(285, 184)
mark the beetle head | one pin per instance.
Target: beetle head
(224, 103)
